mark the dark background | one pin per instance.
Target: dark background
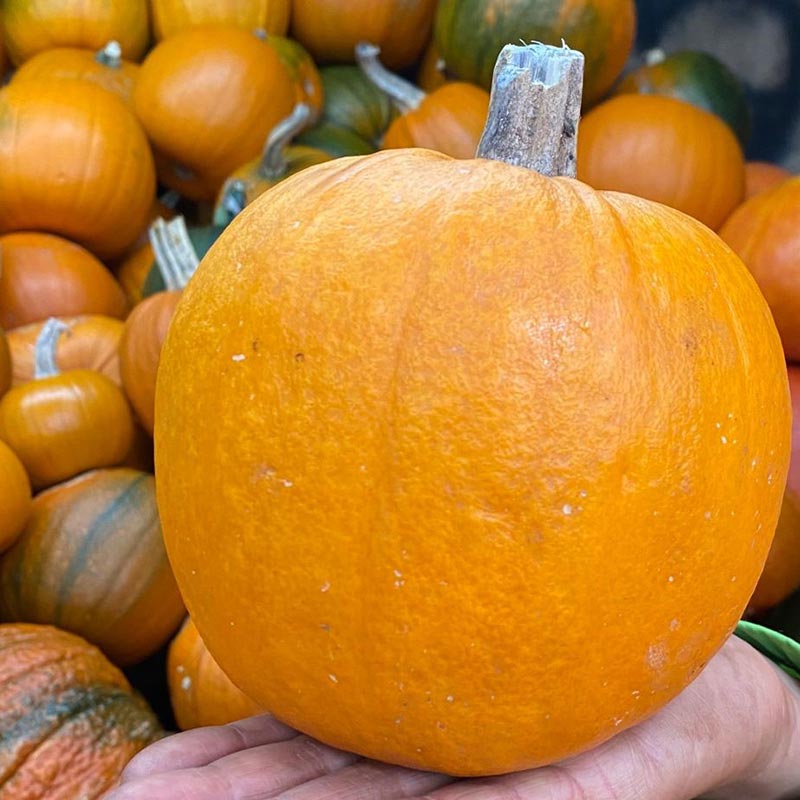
(759, 40)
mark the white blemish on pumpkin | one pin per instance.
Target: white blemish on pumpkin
(332, 678)
(733, 579)
(657, 656)
(443, 583)
(671, 579)
(325, 627)
(717, 425)
(325, 586)
(287, 483)
(618, 721)
(636, 693)
(567, 509)
(399, 583)
(295, 225)
(583, 493)
(754, 463)
(674, 625)
(238, 357)
(770, 479)
(251, 396)
(723, 439)
(180, 669)
(194, 572)
(186, 683)
(363, 468)
(398, 574)
(419, 749)
(398, 720)
(707, 515)
(449, 698)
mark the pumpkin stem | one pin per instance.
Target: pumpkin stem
(273, 158)
(44, 353)
(535, 109)
(231, 203)
(110, 55)
(405, 96)
(654, 57)
(174, 253)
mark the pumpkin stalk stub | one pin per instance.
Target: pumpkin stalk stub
(273, 160)
(110, 55)
(535, 109)
(403, 94)
(44, 358)
(173, 252)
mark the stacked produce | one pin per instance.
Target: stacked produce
(202, 181)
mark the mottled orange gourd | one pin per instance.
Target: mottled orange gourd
(665, 150)
(330, 29)
(89, 342)
(208, 97)
(200, 692)
(105, 68)
(15, 489)
(765, 232)
(140, 351)
(461, 455)
(50, 180)
(95, 723)
(63, 423)
(760, 176)
(91, 560)
(173, 16)
(31, 27)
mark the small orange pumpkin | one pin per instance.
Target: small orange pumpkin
(140, 351)
(208, 97)
(91, 559)
(87, 342)
(279, 161)
(665, 150)
(760, 176)
(31, 28)
(71, 721)
(330, 29)
(200, 692)
(765, 232)
(6, 367)
(450, 119)
(15, 489)
(105, 68)
(52, 180)
(172, 16)
(61, 424)
(47, 276)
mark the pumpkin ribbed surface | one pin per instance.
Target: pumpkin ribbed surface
(765, 232)
(452, 446)
(70, 720)
(91, 560)
(173, 16)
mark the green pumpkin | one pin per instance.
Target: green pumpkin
(354, 104)
(335, 141)
(470, 34)
(696, 78)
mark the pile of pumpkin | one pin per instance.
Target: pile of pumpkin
(124, 154)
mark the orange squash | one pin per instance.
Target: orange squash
(47, 276)
(280, 160)
(88, 342)
(446, 396)
(140, 351)
(30, 28)
(71, 721)
(106, 68)
(450, 119)
(760, 176)
(208, 97)
(172, 16)
(52, 180)
(15, 489)
(61, 424)
(92, 560)
(330, 29)
(764, 232)
(5, 364)
(431, 74)
(200, 692)
(665, 150)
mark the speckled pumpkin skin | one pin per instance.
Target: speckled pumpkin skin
(460, 461)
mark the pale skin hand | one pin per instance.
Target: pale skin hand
(734, 734)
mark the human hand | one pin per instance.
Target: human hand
(734, 734)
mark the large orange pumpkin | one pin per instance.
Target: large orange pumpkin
(51, 179)
(15, 489)
(71, 721)
(63, 423)
(765, 232)
(105, 68)
(91, 560)
(200, 692)
(461, 419)
(208, 97)
(172, 16)
(47, 276)
(32, 27)
(760, 176)
(665, 150)
(88, 342)
(331, 29)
